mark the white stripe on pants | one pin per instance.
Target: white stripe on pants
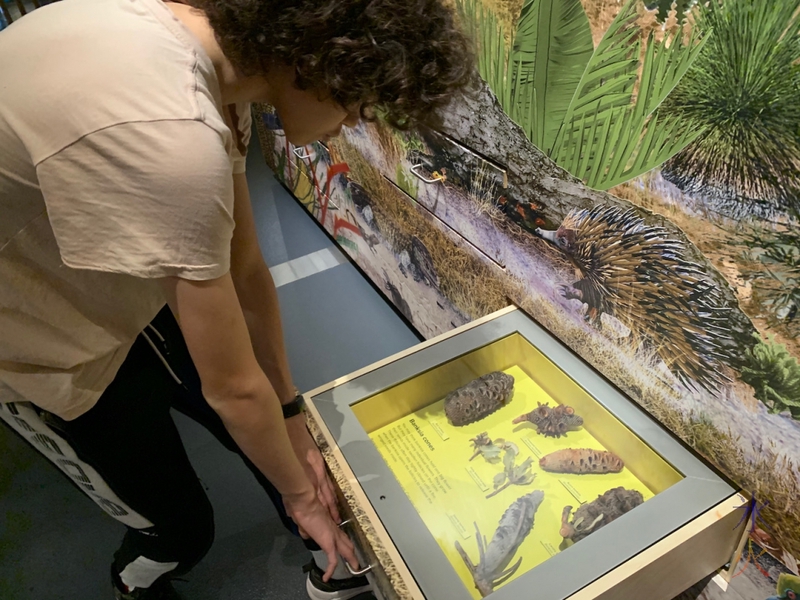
(22, 417)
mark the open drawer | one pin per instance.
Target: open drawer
(543, 482)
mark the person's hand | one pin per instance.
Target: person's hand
(313, 463)
(313, 520)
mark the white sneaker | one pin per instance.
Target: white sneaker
(352, 588)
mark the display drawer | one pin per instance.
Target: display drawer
(458, 186)
(311, 175)
(541, 480)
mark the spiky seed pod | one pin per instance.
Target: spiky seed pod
(640, 275)
(479, 398)
(552, 422)
(598, 513)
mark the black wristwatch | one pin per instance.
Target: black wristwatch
(294, 407)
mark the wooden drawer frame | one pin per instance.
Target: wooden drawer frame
(663, 570)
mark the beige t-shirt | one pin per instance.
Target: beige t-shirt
(116, 162)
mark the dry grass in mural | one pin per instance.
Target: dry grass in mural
(641, 192)
(769, 479)
(482, 194)
(389, 142)
(466, 281)
(507, 12)
(716, 237)
(601, 14)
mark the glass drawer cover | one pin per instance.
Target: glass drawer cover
(488, 486)
(461, 479)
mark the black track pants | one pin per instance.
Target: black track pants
(126, 454)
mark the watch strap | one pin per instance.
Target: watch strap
(294, 407)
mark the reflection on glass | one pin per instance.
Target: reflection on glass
(507, 460)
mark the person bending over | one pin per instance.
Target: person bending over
(131, 280)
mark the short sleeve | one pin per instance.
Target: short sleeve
(151, 199)
(239, 121)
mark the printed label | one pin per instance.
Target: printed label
(571, 489)
(459, 527)
(549, 547)
(438, 429)
(532, 447)
(477, 479)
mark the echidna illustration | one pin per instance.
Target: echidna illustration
(640, 275)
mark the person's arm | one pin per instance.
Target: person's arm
(257, 294)
(259, 301)
(235, 386)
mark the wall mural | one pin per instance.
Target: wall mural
(629, 175)
(758, 576)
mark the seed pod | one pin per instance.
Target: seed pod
(479, 398)
(598, 513)
(552, 422)
(581, 460)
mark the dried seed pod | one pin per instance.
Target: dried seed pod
(515, 524)
(581, 460)
(479, 398)
(552, 422)
(598, 513)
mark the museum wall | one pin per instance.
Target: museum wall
(629, 175)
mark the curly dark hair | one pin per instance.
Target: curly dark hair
(401, 58)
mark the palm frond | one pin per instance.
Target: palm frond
(609, 136)
(610, 75)
(483, 26)
(552, 46)
(581, 106)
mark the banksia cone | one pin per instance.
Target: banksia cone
(479, 398)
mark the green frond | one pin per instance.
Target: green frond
(552, 45)
(743, 90)
(576, 103)
(609, 136)
(774, 374)
(483, 26)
